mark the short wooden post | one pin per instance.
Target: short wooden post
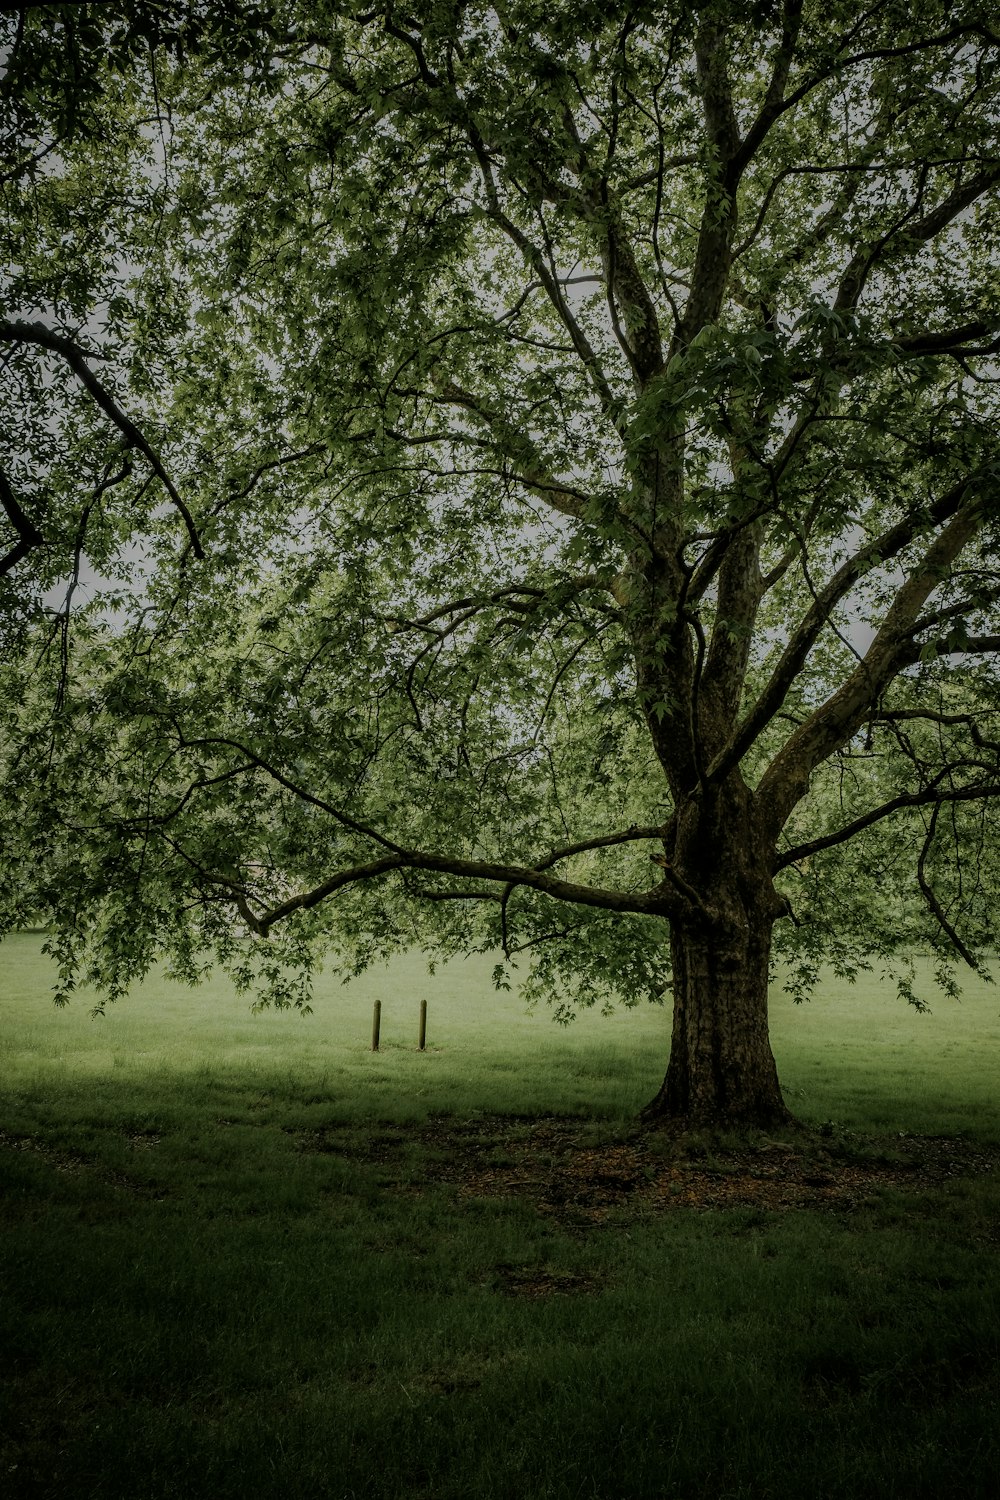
(376, 1024)
(423, 1025)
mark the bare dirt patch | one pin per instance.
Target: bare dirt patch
(559, 1166)
(535, 1281)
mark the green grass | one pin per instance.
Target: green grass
(195, 1306)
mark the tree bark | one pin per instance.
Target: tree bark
(721, 1069)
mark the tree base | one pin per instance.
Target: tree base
(761, 1114)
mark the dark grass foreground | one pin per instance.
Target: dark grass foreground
(457, 1311)
(237, 1281)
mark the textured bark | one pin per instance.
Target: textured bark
(721, 1067)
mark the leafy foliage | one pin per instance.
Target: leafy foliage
(571, 423)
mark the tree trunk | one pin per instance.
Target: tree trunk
(721, 1069)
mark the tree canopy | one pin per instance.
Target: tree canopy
(543, 468)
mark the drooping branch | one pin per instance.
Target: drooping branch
(301, 793)
(76, 357)
(930, 896)
(653, 901)
(398, 857)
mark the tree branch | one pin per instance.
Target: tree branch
(29, 536)
(400, 858)
(535, 259)
(905, 237)
(924, 798)
(931, 716)
(786, 779)
(516, 447)
(774, 100)
(469, 606)
(933, 903)
(880, 550)
(952, 340)
(713, 256)
(646, 903)
(874, 54)
(76, 357)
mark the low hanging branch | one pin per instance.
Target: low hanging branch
(657, 900)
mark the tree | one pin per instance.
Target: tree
(590, 427)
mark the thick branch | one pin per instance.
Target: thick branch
(642, 341)
(953, 340)
(786, 779)
(879, 551)
(774, 101)
(714, 254)
(645, 903)
(932, 716)
(739, 596)
(399, 858)
(29, 536)
(973, 645)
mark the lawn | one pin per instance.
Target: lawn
(245, 1256)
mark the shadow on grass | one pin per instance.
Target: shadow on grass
(495, 1306)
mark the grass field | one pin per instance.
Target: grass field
(245, 1256)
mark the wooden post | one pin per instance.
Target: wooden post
(376, 1024)
(423, 1025)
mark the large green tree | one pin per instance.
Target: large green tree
(584, 431)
